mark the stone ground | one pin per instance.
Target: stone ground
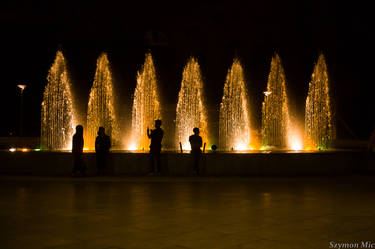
(191, 212)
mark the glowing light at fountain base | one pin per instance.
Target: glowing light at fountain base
(296, 144)
(132, 146)
(240, 146)
(295, 141)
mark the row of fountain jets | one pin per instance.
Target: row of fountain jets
(58, 117)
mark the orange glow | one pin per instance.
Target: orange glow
(186, 146)
(296, 145)
(241, 146)
(132, 146)
(25, 150)
(295, 140)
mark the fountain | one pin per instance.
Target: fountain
(275, 115)
(57, 116)
(234, 123)
(146, 105)
(101, 110)
(279, 129)
(319, 127)
(190, 110)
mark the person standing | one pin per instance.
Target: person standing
(196, 144)
(156, 137)
(102, 146)
(77, 151)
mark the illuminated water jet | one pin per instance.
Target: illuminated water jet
(101, 111)
(234, 123)
(190, 111)
(295, 141)
(275, 113)
(279, 129)
(146, 105)
(319, 127)
(57, 115)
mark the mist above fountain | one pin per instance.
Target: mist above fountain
(319, 127)
(101, 111)
(146, 105)
(57, 115)
(190, 111)
(234, 122)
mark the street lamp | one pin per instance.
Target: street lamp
(22, 88)
(267, 93)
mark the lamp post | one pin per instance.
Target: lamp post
(21, 87)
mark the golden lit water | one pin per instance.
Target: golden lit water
(234, 123)
(57, 115)
(319, 127)
(146, 105)
(101, 111)
(279, 130)
(275, 113)
(190, 111)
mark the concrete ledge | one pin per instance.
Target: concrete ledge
(212, 164)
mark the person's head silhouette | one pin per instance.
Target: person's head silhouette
(157, 123)
(196, 131)
(101, 131)
(79, 129)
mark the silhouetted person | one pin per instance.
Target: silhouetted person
(156, 136)
(102, 146)
(77, 151)
(196, 144)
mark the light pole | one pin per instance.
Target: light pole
(22, 87)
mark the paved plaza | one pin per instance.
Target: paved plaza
(189, 212)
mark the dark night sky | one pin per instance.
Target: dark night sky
(32, 31)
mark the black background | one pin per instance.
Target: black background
(32, 31)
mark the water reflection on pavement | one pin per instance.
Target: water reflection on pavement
(150, 212)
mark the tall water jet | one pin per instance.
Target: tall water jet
(319, 127)
(275, 115)
(234, 122)
(101, 111)
(57, 115)
(146, 105)
(190, 111)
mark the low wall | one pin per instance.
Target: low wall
(19, 142)
(212, 164)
